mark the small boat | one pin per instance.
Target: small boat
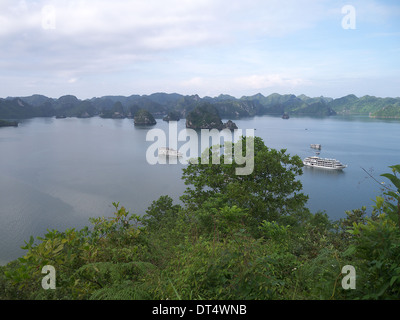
(169, 152)
(285, 116)
(316, 146)
(330, 164)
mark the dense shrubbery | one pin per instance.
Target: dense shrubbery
(233, 237)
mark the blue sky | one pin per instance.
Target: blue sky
(92, 48)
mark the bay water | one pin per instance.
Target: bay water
(58, 173)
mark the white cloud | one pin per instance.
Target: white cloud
(101, 35)
(194, 82)
(210, 43)
(150, 25)
(271, 80)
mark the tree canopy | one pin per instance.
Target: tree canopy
(271, 192)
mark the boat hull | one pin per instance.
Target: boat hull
(325, 168)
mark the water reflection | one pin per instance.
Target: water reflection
(48, 120)
(362, 118)
(322, 172)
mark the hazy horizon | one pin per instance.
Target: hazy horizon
(215, 96)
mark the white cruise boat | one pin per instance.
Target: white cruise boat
(317, 162)
(169, 152)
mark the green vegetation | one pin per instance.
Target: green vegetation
(289, 103)
(363, 105)
(172, 116)
(232, 237)
(4, 123)
(17, 109)
(206, 116)
(116, 112)
(161, 104)
(391, 112)
(144, 118)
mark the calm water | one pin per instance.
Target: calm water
(56, 174)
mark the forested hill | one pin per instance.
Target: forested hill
(160, 104)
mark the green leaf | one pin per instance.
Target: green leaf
(395, 168)
(59, 249)
(379, 202)
(176, 292)
(393, 280)
(350, 251)
(393, 179)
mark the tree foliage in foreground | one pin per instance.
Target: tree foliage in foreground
(271, 192)
(231, 238)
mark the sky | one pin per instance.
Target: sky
(94, 48)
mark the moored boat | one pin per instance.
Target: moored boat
(168, 152)
(330, 164)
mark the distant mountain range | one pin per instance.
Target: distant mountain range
(161, 104)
